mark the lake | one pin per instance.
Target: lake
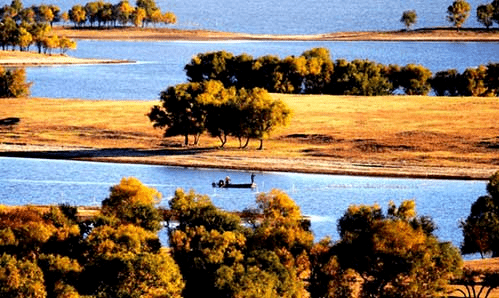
(297, 16)
(324, 198)
(161, 64)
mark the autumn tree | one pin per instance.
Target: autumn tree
(383, 255)
(134, 203)
(485, 14)
(473, 82)
(13, 83)
(77, 15)
(220, 257)
(20, 278)
(414, 79)
(458, 12)
(409, 18)
(122, 252)
(319, 71)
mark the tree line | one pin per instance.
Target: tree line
(123, 13)
(390, 252)
(213, 253)
(195, 108)
(23, 27)
(314, 72)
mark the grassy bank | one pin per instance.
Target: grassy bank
(388, 136)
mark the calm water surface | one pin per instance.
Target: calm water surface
(322, 197)
(298, 16)
(161, 64)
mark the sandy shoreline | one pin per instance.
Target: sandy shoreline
(32, 59)
(444, 34)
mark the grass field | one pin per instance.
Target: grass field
(381, 132)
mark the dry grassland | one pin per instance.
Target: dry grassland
(392, 135)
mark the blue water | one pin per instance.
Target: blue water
(324, 198)
(298, 16)
(161, 64)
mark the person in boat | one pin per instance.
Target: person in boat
(227, 180)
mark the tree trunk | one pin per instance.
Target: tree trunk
(223, 140)
(261, 145)
(246, 144)
(186, 139)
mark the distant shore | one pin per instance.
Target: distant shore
(424, 34)
(30, 59)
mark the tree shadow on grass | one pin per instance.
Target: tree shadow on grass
(105, 152)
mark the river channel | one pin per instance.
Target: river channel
(324, 198)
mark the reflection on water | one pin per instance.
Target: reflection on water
(322, 197)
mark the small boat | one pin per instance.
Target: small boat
(228, 184)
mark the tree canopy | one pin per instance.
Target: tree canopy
(481, 227)
(458, 13)
(409, 18)
(196, 107)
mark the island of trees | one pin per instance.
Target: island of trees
(55, 252)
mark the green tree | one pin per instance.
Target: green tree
(481, 227)
(261, 114)
(446, 83)
(92, 12)
(360, 77)
(485, 14)
(211, 66)
(492, 78)
(409, 18)
(180, 112)
(392, 255)
(458, 12)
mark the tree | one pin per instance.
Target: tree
(446, 83)
(260, 114)
(414, 79)
(319, 70)
(134, 203)
(378, 255)
(492, 78)
(473, 82)
(360, 77)
(481, 227)
(20, 278)
(138, 16)
(458, 12)
(211, 66)
(123, 12)
(485, 14)
(220, 257)
(77, 15)
(66, 44)
(409, 18)
(13, 83)
(180, 112)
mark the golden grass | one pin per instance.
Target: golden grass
(390, 130)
